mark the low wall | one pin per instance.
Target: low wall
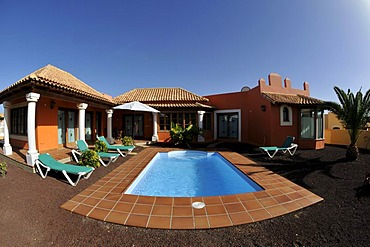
(341, 137)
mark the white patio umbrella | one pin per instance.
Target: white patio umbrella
(136, 106)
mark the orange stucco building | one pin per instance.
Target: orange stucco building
(51, 108)
(270, 112)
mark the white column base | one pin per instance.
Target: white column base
(31, 158)
(200, 138)
(7, 150)
(110, 140)
(154, 138)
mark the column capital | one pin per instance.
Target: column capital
(201, 112)
(32, 97)
(82, 106)
(6, 104)
(109, 111)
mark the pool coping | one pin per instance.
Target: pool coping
(104, 200)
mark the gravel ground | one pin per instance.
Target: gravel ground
(30, 213)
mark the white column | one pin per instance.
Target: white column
(7, 149)
(200, 124)
(155, 127)
(81, 120)
(32, 153)
(109, 126)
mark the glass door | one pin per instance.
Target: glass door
(228, 125)
(71, 127)
(61, 127)
(133, 125)
(88, 126)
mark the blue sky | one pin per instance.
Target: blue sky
(206, 47)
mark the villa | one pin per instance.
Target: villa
(50, 108)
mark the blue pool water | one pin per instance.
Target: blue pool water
(190, 174)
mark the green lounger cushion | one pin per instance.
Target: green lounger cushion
(49, 161)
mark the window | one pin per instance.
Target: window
(312, 124)
(183, 119)
(18, 121)
(286, 117)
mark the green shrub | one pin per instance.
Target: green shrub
(184, 136)
(127, 141)
(89, 158)
(3, 169)
(100, 146)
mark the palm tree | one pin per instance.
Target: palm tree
(352, 111)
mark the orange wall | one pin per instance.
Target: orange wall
(47, 122)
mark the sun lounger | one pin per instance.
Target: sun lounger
(121, 149)
(288, 146)
(49, 163)
(82, 146)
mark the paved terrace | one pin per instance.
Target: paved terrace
(105, 200)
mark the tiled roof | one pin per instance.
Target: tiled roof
(54, 77)
(178, 105)
(296, 99)
(159, 94)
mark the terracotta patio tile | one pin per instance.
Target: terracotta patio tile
(123, 207)
(78, 198)
(219, 220)
(91, 201)
(163, 201)
(98, 213)
(86, 192)
(129, 198)
(261, 194)
(146, 199)
(178, 201)
(274, 192)
(142, 209)
(201, 222)
(252, 205)
(199, 211)
(267, 202)
(277, 210)
(291, 206)
(246, 197)
(99, 195)
(259, 214)
(282, 199)
(216, 209)
(182, 211)
(303, 202)
(212, 200)
(106, 204)
(162, 210)
(182, 223)
(117, 217)
(69, 205)
(234, 207)
(159, 222)
(229, 199)
(82, 209)
(137, 220)
(294, 195)
(241, 218)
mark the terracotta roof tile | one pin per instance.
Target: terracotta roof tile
(179, 105)
(54, 77)
(297, 99)
(159, 94)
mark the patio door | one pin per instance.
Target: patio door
(133, 125)
(228, 125)
(88, 126)
(66, 128)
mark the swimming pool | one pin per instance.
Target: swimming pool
(191, 174)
